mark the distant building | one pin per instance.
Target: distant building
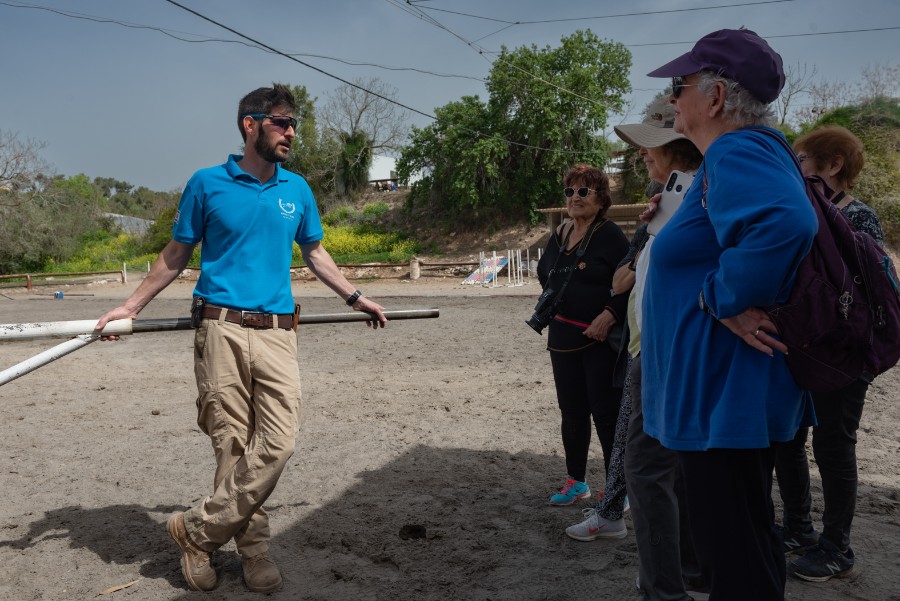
(129, 224)
(383, 168)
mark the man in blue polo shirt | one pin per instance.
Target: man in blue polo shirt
(247, 213)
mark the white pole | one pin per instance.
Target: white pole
(481, 274)
(520, 276)
(509, 267)
(62, 329)
(148, 266)
(52, 354)
(494, 268)
(124, 273)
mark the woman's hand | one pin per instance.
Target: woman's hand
(625, 276)
(754, 327)
(652, 205)
(599, 328)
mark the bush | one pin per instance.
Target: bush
(376, 210)
(362, 244)
(346, 215)
(160, 231)
(338, 216)
(100, 251)
(888, 210)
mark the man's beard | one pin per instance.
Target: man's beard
(268, 152)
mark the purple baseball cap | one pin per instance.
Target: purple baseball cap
(738, 54)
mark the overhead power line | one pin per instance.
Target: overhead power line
(200, 39)
(771, 37)
(297, 60)
(481, 51)
(634, 14)
(363, 89)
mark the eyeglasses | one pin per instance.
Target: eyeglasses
(678, 86)
(582, 192)
(279, 121)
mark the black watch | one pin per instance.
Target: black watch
(353, 298)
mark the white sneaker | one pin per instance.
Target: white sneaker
(594, 527)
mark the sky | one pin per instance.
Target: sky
(110, 95)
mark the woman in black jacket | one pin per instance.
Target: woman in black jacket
(579, 263)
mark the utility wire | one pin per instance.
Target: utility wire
(634, 14)
(769, 37)
(361, 88)
(197, 39)
(481, 51)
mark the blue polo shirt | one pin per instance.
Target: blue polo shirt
(247, 229)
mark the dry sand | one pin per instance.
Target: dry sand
(448, 426)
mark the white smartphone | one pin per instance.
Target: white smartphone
(672, 195)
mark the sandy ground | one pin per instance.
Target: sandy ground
(446, 427)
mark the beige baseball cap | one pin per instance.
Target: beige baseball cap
(656, 128)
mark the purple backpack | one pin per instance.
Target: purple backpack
(841, 322)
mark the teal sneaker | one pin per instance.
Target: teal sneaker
(571, 491)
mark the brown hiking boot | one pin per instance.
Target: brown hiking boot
(261, 575)
(195, 565)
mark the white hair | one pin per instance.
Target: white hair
(742, 109)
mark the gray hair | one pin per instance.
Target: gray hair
(742, 109)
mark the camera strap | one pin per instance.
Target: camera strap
(579, 252)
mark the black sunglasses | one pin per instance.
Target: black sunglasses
(582, 192)
(678, 86)
(278, 121)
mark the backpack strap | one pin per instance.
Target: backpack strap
(812, 179)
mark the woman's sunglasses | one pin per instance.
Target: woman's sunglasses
(678, 86)
(582, 192)
(280, 122)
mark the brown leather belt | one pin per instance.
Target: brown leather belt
(248, 319)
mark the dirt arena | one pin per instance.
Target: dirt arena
(424, 460)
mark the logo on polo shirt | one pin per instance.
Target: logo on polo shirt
(287, 209)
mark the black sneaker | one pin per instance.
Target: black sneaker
(799, 543)
(823, 563)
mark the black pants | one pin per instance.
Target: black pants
(666, 557)
(584, 389)
(834, 447)
(732, 518)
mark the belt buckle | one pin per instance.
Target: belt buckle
(259, 321)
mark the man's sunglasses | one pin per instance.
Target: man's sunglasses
(678, 86)
(582, 192)
(278, 121)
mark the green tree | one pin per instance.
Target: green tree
(311, 154)
(160, 231)
(364, 122)
(546, 111)
(38, 229)
(353, 163)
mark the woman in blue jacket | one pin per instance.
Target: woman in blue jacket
(716, 387)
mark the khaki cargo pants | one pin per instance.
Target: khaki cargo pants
(249, 405)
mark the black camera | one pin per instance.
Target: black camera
(544, 310)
